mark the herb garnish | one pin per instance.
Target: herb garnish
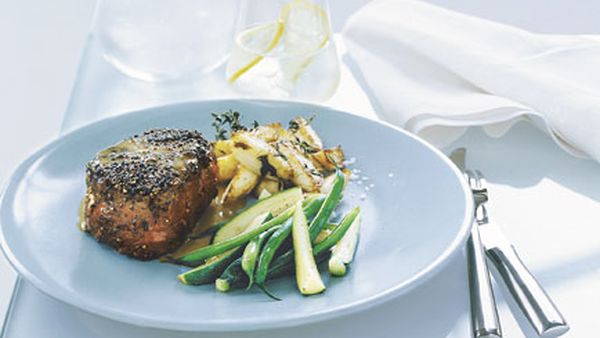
(229, 121)
(295, 124)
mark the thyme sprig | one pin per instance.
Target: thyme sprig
(228, 122)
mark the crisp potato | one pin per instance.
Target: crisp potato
(282, 167)
(327, 184)
(347, 173)
(250, 151)
(227, 165)
(328, 181)
(269, 133)
(328, 159)
(222, 147)
(306, 134)
(305, 175)
(240, 185)
(268, 183)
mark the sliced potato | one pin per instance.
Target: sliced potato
(327, 184)
(269, 133)
(305, 175)
(240, 185)
(222, 147)
(305, 133)
(286, 135)
(347, 173)
(227, 165)
(249, 150)
(270, 184)
(280, 164)
(329, 159)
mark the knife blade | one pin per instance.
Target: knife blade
(484, 314)
(528, 293)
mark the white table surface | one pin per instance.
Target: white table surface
(546, 200)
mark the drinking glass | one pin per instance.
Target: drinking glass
(284, 49)
(158, 40)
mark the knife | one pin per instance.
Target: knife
(484, 314)
(529, 295)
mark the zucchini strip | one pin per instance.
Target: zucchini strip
(284, 264)
(243, 238)
(275, 204)
(210, 231)
(308, 278)
(342, 253)
(209, 271)
(277, 240)
(232, 277)
(214, 267)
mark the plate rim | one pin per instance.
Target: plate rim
(363, 304)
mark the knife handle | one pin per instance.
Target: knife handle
(484, 314)
(528, 293)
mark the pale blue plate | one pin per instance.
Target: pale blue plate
(416, 215)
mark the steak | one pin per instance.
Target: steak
(145, 194)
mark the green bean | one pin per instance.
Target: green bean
(330, 203)
(278, 238)
(209, 271)
(251, 252)
(210, 231)
(232, 277)
(288, 258)
(285, 263)
(218, 248)
(338, 233)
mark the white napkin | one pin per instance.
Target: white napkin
(436, 72)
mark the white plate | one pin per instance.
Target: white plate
(416, 215)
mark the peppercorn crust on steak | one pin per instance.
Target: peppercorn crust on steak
(145, 194)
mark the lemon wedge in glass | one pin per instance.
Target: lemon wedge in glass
(301, 30)
(261, 38)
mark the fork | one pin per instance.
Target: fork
(531, 298)
(484, 314)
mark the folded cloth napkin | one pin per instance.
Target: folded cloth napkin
(435, 72)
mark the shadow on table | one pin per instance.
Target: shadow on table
(525, 155)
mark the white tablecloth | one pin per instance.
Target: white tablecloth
(547, 202)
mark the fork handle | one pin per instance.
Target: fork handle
(484, 314)
(527, 291)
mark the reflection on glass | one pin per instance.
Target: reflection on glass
(157, 40)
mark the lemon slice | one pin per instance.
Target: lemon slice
(306, 27)
(302, 30)
(261, 39)
(306, 32)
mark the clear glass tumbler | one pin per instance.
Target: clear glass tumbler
(284, 49)
(157, 40)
